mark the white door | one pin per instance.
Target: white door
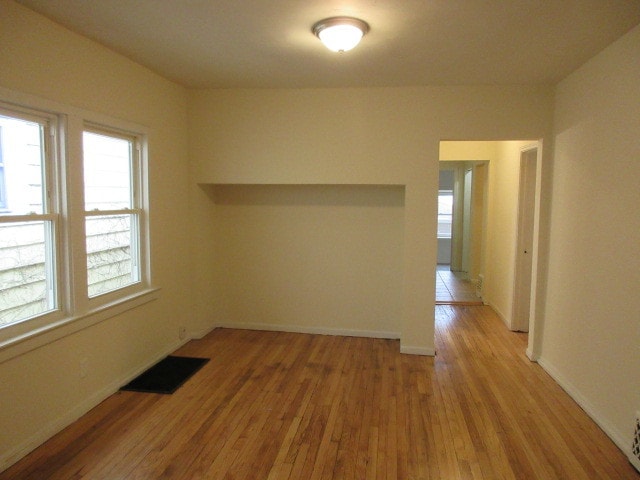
(524, 243)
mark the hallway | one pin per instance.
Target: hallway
(454, 288)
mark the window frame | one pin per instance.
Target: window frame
(138, 243)
(76, 310)
(50, 216)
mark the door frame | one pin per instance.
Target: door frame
(523, 265)
(532, 320)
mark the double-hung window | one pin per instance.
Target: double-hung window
(73, 222)
(29, 220)
(112, 210)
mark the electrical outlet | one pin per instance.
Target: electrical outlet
(182, 332)
(84, 367)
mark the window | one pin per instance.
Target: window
(3, 184)
(112, 213)
(28, 220)
(445, 213)
(72, 219)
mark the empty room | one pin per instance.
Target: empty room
(218, 181)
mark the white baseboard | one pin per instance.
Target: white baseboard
(532, 355)
(52, 428)
(199, 334)
(619, 438)
(406, 349)
(342, 332)
(413, 350)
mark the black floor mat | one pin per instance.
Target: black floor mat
(167, 375)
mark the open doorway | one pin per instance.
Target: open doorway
(498, 224)
(461, 203)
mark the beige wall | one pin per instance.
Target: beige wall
(361, 136)
(502, 226)
(591, 339)
(468, 151)
(41, 391)
(312, 257)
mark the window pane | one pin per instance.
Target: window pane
(444, 229)
(107, 172)
(21, 166)
(26, 270)
(3, 184)
(445, 202)
(111, 252)
(445, 213)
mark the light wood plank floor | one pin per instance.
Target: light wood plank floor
(453, 288)
(291, 406)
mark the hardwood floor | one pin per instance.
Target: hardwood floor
(291, 406)
(454, 288)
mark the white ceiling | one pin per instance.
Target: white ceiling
(268, 43)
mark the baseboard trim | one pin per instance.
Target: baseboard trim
(405, 349)
(413, 350)
(619, 438)
(199, 334)
(38, 438)
(341, 332)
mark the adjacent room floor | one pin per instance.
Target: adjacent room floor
(454, 287)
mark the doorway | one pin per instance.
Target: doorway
(502, 277)
(461, 205)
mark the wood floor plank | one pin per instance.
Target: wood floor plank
(285, 406)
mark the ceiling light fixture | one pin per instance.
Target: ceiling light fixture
(340, 34)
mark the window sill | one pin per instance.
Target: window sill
(56, 330)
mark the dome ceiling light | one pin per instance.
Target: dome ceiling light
(340, 34)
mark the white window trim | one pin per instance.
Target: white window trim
(139, 167)
(76, 310)
(50, 208)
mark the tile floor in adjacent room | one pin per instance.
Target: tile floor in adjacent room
(454, 287)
